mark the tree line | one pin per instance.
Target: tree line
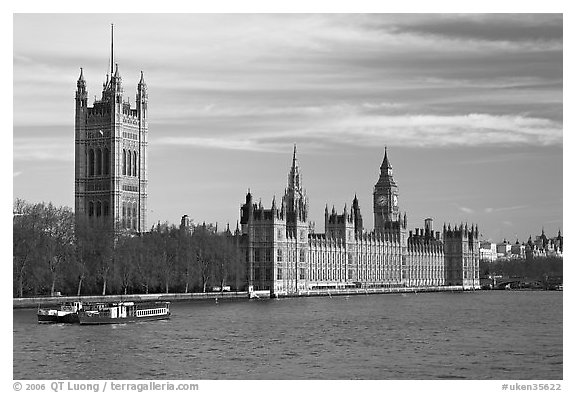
(53, 252)
(536, 269)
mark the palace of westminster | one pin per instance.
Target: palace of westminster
(281, 252)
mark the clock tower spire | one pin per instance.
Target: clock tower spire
(386, 208)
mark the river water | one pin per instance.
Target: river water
(471, 335)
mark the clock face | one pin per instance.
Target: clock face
(395, 200)
(381, 200)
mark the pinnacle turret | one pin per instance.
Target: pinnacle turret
(81, 80)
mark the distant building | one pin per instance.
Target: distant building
(518, 251)
(282, 256)
(488, 251)
(503, 250)
(544, 246)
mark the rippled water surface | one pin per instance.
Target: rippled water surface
(474, 335)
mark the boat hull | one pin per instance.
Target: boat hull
(86, 319)
(47, 318)
(69, 318)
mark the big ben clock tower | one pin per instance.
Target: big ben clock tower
(385, 197)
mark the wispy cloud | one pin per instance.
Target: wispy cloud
(502, 209)
(43, 149)
(466, 210)
(218, 143)
(354, 126)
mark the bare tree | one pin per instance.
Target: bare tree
(26, 238)
(57, 240)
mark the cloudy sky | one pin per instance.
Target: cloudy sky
(470, 107)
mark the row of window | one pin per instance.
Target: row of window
(264, 234)
(98, 162)
(98, 134)
(130, 215)
(129, 163)
(340, 275)
(265, 254)
(129, 135)
(156, 311)
(98, 208)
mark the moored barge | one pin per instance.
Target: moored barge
(123, 312)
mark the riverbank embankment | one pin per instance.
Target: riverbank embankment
(33, 302)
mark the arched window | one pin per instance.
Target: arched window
(129, 163)
(134, 170)
(135, 216)
(90, 162)
(124, 215)
(106, 161)
(98, 162)
(124, 162)
(128, 213)
(90, 209)
(98, 209)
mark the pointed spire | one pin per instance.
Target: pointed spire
(385, 163)
(294, 180)
(112, 50)
(142, 83)
(81, 82)
(116, 73)
(274, 203)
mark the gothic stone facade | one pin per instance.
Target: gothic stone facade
(284, 256)
(111, 156)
